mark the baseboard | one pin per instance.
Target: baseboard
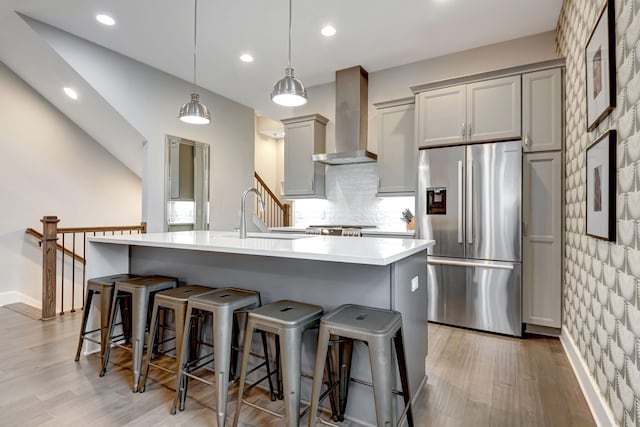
(13, 297)
(602, 415)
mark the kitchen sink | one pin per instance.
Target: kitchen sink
(276, 236)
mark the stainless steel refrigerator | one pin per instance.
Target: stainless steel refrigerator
(470, 202)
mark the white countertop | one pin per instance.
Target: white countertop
(355, 250)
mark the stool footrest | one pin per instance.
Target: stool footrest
(368, 384)
(260, 408)
(162, 368)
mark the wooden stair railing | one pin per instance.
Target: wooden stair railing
(76, 237)
(276, 213)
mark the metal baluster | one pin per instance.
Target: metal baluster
(73, 274)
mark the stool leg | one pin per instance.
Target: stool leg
(182, 360)
(150, 342)
(243, 369)
(321, 356)
(222, 331)
(382, 376)
(83, 328)
(291, 359)
(179, 314)
(404, 379)
(106, 300)
(139, 303)
(279, 368)
(345, 357)
(265, 349)
(112, 321)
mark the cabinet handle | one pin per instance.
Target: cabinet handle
(469, 132)
(464, 130)
(378, 182)
(527, 140)
(526, 228)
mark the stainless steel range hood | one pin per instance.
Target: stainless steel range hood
(352, 103)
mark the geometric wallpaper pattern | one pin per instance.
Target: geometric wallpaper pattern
(601, 301)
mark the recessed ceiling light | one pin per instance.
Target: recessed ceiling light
(105, 20)
(245, 57)
(328, 31)
(71, 93)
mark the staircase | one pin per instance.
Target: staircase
(276, 213)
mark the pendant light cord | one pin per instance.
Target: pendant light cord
(290, 32)
(195, 32)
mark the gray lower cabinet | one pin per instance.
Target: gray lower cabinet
(397, 151)
(304, 136)
(542, 242)
(542, 110)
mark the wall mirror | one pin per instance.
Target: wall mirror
(186, 184)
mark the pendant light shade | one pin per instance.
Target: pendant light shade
(195, 112)
(289, 91)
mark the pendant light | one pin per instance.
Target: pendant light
(194, 112)
(289, 91)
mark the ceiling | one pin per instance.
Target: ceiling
(376, 34)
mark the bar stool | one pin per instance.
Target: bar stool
(287, 320)
(102, 286)
(141, 291)
(222, 304)
(376, 328)
(172, 299)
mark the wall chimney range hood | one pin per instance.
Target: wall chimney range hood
(351, 122)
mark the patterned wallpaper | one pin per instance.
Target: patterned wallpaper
(601, 301)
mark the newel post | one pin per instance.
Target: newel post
(286, 212)
(49, 258)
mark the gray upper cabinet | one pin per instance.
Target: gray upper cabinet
(542, 110)
(493, 109)
(304, 136)
(397, 151)
(441, 116)
(482, 111)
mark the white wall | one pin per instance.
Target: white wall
(150, 99)
(266, 154)
(49, 166)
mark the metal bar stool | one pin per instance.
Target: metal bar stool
(141, 291)
(222, 304)
(376, 328)
(102, 286)
(287, 320)
(172, 299)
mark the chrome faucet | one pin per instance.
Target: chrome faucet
(243, 221)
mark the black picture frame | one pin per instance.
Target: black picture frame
(600, 67)
(601, 187)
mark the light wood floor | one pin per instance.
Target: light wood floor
(475, 379)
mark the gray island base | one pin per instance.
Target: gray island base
(395, 279)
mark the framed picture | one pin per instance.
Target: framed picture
(600, 65)
(601, 187)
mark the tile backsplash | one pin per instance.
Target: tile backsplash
(351, 199)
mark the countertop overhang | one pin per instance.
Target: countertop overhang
(355, 250)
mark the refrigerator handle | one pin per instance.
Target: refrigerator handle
(460, 201)
(470, 206)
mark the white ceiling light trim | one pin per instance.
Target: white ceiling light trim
(289, 91)
(105, 20)
(71, 93)
(328, 31)
(194, 112)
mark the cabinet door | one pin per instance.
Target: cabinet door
(493, 109)
(442, 116)
(542, 110)
(542, 239)
(298, 167)
(397, 152)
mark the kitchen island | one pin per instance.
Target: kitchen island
(322, 270)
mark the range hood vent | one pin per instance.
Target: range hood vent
(352, 103)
